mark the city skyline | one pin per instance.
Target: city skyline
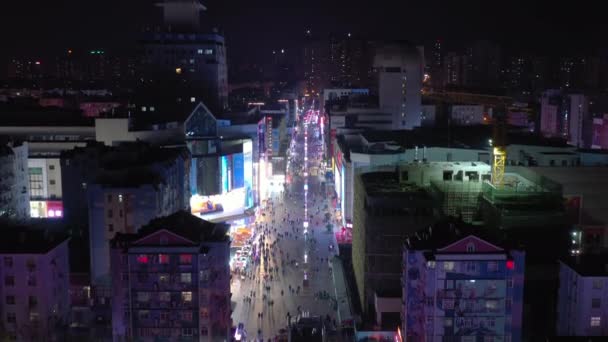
(115, 24)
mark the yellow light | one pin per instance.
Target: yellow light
(178, 71)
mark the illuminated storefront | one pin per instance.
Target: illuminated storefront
(46, 209)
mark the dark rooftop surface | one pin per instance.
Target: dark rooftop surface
(18, 115)
(445, 233)
(24, 240)
(387, 184)
(588, 265)
(183, 224)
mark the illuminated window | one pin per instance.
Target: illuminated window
(596, 321)
(185, 258)
(199, 51)
(204, 313)
(448, 265)
(192, 99)
(448, 322)
(187, 297)
(208, 51)
(186, 278)
(491, 304)
(142, 259)
(163, 258)
(163, 278)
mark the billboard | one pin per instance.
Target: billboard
(248, 173)
(238, 179)
(225, 173)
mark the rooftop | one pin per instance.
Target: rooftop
(387, 184)
(588, 265)
(25, 240)
(18, 115)
(183, 224)
(444, 233)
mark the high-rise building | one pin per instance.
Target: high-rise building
(400, 67)
(567, 116)
(460, 284)
(193, 63)
(350, 61)
(172, 281)
(317, 56)
(485, 60)
(35, 276)
(582, 299)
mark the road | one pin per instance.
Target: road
(299, 253)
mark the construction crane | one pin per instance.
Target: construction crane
(499, 145)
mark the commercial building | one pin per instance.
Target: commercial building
(46, 186)
(222, 175)
(375, 149)
(400, 68)
(386, 211)
(459, 284)
(566, 115)
(35, 282)
(172, 281)
(582, 307)
(14, 189)
(135, 185)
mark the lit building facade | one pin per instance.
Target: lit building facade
(460, 287)
(35, 283)
(14, 189)
(582, 308)
(172, 281)
(46, 192)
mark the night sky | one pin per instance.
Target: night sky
(38, 27)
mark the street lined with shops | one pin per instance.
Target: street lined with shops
(287, 272)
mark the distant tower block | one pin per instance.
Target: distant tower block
(182, 15)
